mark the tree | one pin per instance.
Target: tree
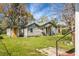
(15, 17)
(1, 8)
(68, 16)
(43, 19)
(30, 17)
(54, 21)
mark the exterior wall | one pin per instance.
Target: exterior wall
(25, 32)
(9, 31)
(36, 32)
(44, 30)
(53, 30)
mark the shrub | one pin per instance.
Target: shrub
(64, 31)
(68, 37)
(1, 37)
(58, 33)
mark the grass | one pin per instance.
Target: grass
(27, 46)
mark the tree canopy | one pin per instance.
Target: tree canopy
(16, 15)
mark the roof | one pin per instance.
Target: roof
(62, 24)
(29, 24)
(39, 24)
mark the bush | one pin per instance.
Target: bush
(59, 34)
(67, 38)
(1, 37)
(64, 31)
(2, 31)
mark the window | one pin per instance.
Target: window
(31, 29)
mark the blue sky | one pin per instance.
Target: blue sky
(46, 9)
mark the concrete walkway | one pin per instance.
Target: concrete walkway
(51, 51)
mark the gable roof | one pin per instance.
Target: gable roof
(39, 24)
(29, 24)
(46, 23)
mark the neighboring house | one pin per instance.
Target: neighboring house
(35, 29)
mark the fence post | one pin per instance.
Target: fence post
(56, 48)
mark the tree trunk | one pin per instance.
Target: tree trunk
(14, 32)
(73, 38)
(72, 34)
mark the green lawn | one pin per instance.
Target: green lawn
(27, 46)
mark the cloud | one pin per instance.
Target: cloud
(43, 12)
(50, 10)
(35, 7)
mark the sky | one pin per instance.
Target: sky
(46, 9)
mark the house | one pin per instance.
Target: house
(35, 29)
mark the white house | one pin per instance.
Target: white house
(35, 29)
